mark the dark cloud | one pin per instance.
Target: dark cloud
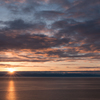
(28, 41)
(12, 66)
(71, 54)
(63, 24)
(88, 32)
(88, 67)
(23, 60)
(64, 3)
(50, 15)
(20, 24)
(84, 9)
(22, 8)
(9, 66)
(29, 8)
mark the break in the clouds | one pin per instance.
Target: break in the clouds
(45, 31)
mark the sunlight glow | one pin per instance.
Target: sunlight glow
(11, 95)
(11, 70)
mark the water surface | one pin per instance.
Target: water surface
(35, 88)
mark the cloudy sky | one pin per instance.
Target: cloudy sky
(50, 35)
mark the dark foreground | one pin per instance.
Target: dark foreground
(35, 88)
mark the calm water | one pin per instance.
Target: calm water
(49, 88)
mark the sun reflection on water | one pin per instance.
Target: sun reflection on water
(11, 91)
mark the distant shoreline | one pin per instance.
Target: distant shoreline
(51, 74)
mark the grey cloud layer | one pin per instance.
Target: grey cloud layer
(69, 28)
(28, 41)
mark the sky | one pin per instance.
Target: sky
(50, 35)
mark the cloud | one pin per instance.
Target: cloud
(20, 24)
(88, 67)
(87, 32)
(50, 15)
(84, 9)
(14, 66)
(63, 3)
(63, 23)
(71, 54)
(22, 60)
(28, 41)
(50, 30)
(9, 66)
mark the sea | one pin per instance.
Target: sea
(49, 88)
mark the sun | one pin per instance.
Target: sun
(11, 70)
